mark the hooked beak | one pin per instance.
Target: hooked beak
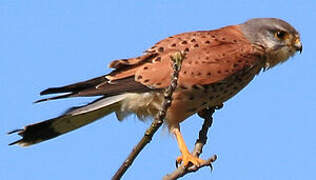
(298, 45)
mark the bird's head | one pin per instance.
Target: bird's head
(278, 38)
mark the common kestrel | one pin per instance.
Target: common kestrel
(217, 65)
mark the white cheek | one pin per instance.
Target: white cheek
(269, 44)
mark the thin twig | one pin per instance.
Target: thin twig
(206, 114)
(177, 58)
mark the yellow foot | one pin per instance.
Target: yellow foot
(186, 158)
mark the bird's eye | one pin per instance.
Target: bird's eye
(281, 35)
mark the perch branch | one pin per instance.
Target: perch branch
(181, 171)
(177, 59)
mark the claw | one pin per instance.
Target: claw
(188, 158)
(211, 167)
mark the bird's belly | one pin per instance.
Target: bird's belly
(190, 100)
(186, 100)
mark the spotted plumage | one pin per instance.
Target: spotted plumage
(217, 65)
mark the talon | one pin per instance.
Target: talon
(188, 158)
(211, 167)
(177, 163)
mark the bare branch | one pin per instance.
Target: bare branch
(181, 171)
(177, 58)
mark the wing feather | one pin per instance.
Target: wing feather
(211, 56)
(96, 87)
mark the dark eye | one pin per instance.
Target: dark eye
(281, 35)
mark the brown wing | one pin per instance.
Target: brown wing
(103, 85)
(211, 56)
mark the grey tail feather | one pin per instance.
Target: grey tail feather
(71, 120)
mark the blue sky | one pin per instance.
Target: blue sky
(265, 132)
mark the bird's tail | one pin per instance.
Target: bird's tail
(74, 118)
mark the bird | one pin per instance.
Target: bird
(217, 65)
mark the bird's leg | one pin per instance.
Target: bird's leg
(186, 157)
